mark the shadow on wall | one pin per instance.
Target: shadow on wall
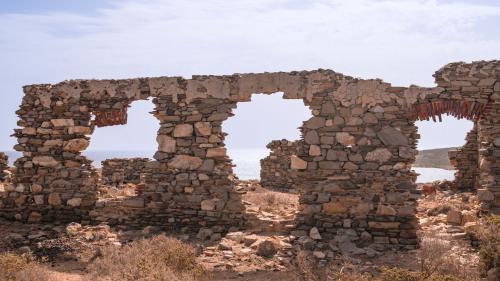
(257, 123)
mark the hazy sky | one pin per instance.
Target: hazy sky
(402, 42)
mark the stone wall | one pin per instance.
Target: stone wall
(480, 82)
(276, 171)
(465, 161)
(4, 166)
(123, 170)
(353, 162)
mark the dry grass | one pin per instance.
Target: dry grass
(15, 267)
(275, 202)
(489, 236)
(159, 258)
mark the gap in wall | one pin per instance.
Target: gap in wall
(435, 139)
(137, 138)
(258, 122)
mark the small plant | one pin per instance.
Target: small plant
(489, 236)
(15, 267)
(159, 258)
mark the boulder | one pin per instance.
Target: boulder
(485, 195)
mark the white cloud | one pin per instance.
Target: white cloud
(402, 42)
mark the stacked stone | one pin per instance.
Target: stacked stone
(275, 170)
(4, 166)
(123, 170)
(465, 161)
(358, 172)
(480, 82)
(352, 167)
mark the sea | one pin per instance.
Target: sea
(246, 161)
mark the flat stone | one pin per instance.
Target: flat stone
(74, 202)
(217, 152)
(485, 195)
(333, 208)
(315, 123)
(134, 203)
(314, 150)
(185, 162)
(314, 234)
(76, 145)
(311, 137)
(54, 199)
(392, 136)
(454, 217)
(380, 155)
(345, 139)
(383, 210)
(203, 128)
(297, 164)
(183, 130)
(166, 144)
(62, 122)
(45, 161)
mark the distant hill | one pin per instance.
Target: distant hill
(434, 158)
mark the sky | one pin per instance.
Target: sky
(402, 42)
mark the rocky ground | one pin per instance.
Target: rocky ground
(266, 249)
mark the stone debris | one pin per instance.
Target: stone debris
(351, 167)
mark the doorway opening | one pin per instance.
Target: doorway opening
(437, 141)
(257, 123)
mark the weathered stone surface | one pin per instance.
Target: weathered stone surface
(166, 144)
(345, 139)
(203, 128)
(332, 208)
(76, 145)
(314, 234)
(216, 152)
(392, 136)
(54, 199)
(74, 202)
(314, 150)
(45, 161)
(62, 122)
(297, 163)
(185, 162)
(454, 217)
(485, 195)
(183, 130)
(380, 155)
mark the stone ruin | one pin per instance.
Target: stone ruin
(276, 169)
(118, 171)
(352, 166)
(4, 166)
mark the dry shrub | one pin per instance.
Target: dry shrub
(489, 236)
(437, 260)
(15, 267)
(159, 258)
(308, 269)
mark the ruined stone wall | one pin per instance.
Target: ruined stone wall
(276, 170)
(4, 166)
(480, 82)
(123, 170)
(353, 162)
(465, 161)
